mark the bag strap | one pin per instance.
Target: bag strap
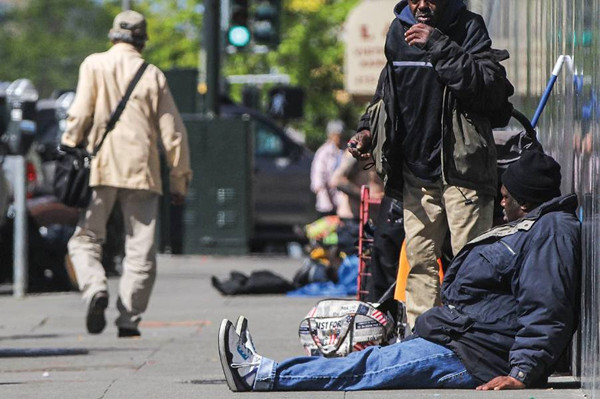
(121, 106)
(328, 348)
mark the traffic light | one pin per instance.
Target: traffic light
(265, 29)
(238, 34)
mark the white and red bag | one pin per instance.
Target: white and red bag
(337, 327)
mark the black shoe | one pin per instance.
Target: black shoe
(95, 321)
(129, 333)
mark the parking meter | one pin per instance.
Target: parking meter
(63, 103)
(3, 109)
(21, 97)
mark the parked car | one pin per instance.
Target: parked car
(50, 223)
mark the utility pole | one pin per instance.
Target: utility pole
(212, 34)
(126, 5)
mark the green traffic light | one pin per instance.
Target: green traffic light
(239, 36)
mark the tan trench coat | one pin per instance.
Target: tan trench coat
(129, 157)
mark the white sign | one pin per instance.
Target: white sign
(365, 31)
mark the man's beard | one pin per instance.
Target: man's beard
(428, 15)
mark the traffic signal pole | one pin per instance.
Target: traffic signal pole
(212, 34)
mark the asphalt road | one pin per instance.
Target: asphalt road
(45, 351)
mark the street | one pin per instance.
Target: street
(45, 351)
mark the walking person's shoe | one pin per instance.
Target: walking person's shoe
(95, 320)
(240, 364)
(129, 333)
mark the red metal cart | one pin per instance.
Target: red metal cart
(364, 242)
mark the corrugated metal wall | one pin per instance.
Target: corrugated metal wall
(537, 32)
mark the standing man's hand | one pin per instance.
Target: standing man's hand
(177, 199)
(360, 145)
(418, 35)
(502, 382)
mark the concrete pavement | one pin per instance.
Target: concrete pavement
(45, 351)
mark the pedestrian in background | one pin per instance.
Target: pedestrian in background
(326, 159)
(125, 171)
(348, 178)
(449, 90)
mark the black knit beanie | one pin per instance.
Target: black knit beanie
(534, 178)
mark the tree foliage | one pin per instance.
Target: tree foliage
(312, 53)
(45, 41)
(174, 30)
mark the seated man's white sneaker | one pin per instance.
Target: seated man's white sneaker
(241, 328)
(239, 363)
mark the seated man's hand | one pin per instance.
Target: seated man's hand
(360, 145)
(502, 382)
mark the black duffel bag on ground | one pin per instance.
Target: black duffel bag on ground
(72, 176)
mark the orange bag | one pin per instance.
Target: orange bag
(403, 269)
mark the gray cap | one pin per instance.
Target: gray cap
(129, 26)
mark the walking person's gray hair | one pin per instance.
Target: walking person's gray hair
(335, 127)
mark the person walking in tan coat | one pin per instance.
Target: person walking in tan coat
(125, 171)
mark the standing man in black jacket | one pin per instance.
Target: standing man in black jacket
(444, 90)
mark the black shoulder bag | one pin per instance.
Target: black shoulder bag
(72, 175)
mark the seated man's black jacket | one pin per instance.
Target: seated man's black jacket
(511, 296)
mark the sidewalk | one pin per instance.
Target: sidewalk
(45, 351)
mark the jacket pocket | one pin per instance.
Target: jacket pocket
(474, 150)
(470, 152)
(442, 324)
(501, 257)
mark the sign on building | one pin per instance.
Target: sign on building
(365, 30)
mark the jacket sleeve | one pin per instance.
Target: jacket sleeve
(175, 142)
(547, 293)
(363, 123)
(81, 113)
(472, 71)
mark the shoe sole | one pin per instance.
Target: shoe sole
(225, 357)
(95, 320)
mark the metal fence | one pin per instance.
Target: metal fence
(537, 32)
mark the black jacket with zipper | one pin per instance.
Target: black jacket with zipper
(456, 68)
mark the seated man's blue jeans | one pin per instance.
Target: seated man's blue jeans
(412, 364)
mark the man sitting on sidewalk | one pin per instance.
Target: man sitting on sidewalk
(510, 308)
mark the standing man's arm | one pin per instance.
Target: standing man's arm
(81, 113)
(175, 142)
(360, 144)
(472, 72)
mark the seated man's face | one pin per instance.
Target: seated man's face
(512, 209)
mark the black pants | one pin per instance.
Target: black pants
(387, 244)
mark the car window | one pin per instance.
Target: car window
(267, 142)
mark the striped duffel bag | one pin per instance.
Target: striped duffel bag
(336, 327)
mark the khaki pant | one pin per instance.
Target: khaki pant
(430, 209)
(139, 208)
